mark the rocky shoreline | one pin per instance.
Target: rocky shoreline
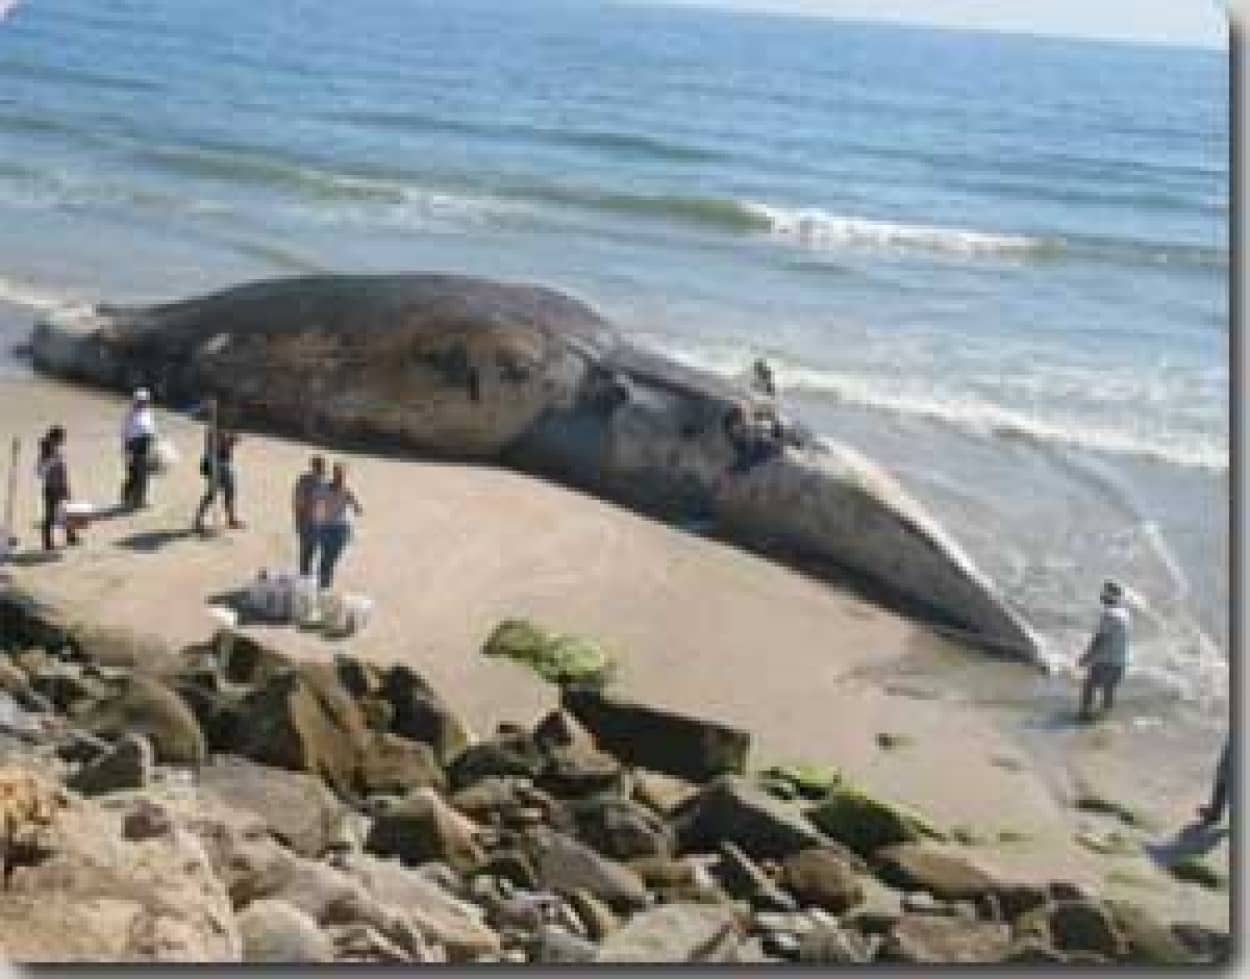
(227, 803)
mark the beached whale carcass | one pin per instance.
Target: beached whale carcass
(469, 368)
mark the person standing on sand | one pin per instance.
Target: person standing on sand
(309, 489)
(333, 522)
(1108, 653)
(138, 436)
(1213, 811)
(54, 474)
(217, 468)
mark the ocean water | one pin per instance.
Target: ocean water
(997, 264)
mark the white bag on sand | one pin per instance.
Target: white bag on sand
(358, 610)
(75, 514)
(333, 613)
(259, 592)
(304, 601)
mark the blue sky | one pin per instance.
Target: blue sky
(1185, 22)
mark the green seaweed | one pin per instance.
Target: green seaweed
(559, 659)
(1089, 802)
(1194, 870)
(804, 781)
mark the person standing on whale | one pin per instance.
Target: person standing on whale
(1107, 656)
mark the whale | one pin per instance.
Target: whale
(468, 368)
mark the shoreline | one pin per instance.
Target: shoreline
(449, 550)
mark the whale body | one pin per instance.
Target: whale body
(469, 368)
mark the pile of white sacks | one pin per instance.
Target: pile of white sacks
(279, 596)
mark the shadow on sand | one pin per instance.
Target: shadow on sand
(1194, 840)
(153, 540)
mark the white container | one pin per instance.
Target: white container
(304, 609)
(333, 613)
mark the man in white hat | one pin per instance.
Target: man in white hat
(1108, 653)
(138, 436)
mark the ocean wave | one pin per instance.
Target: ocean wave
(975, 416)
(39, 298)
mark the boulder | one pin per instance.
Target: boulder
(503, 755)
(295, 807)
(864, 823)
(564, 865)
(1148, 940)
(419, 714)
(127, 765)
(560, 729)
(513, 866)
(393, 765)
(304, 721)
(733, 809)
(555, 946)
(926, 938)
(358, 678)
(96, 896)
(65, 686)
(15, 682)
(827, 944)
(942, 872)
(596, 917)
(146, 820)
(660, 792)
(511, 801)
(577, 771)
(1073, 927)
(422, 827)
(246, 661)
(823, 877)
(440, 918)
(148, 707)
(621, 829)
(743, 880)
(686, 879)
(275, 932)
(659, 739)
(701, 933)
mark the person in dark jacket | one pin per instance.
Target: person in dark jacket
(217, 468)
(54, 475)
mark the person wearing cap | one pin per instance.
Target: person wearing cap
(1108, 653)
(138, 436)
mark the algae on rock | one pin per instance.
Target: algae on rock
(559, 659)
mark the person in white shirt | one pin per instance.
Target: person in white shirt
(138, 436)
(1108, 654)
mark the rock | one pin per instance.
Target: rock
(732, 809)
(505, 755)
(295, 807)
(65, 686)
(1196, 870)
(660, 792)
(823, 877)
(391, 764)
(743, 880)
(925, 938)
(419, 714)
(563, 865)
(864, 823)
(423, 827)
(662, 740)
(781, 945)
(273, 931)
(358, 678)
(1073, 926)
(675, 933)
(146, 820)
(440, 918)
(621, 829)
(362, 943)
(574, 772)
(96, 896)
(831, 945)
(510, 801)
(683, 880)
(1149, 941)
(379, 715)
(552, 945)
(560, 729)
(942, 872)
(124, 649)
(1205, 944)
(596, 917)
(511, 865)
(1015, 899)
(148, 707)
(16, 684)
(220, 715)
(246, 661)
(305, 722)
(127, 765)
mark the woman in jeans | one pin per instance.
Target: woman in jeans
(333, 522)
(54, 474)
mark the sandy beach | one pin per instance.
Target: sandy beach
(447, 551)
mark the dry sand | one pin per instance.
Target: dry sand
(446, 551)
